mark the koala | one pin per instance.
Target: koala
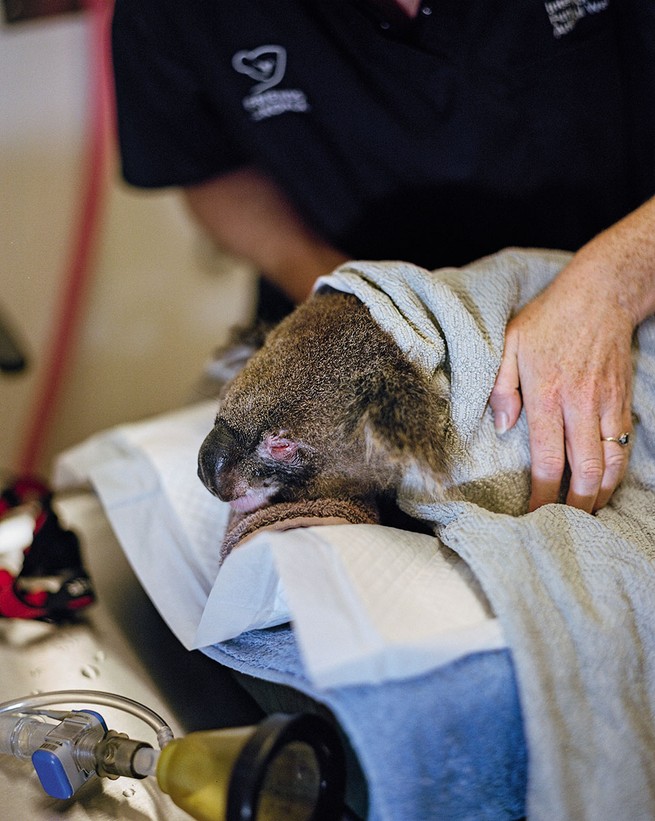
(327, 407)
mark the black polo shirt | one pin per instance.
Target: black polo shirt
(480, 124)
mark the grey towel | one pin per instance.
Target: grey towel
(575, 593)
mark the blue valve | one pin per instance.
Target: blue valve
(57, 761)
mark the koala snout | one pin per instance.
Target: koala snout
(218, 453)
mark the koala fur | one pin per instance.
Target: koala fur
(328, 407)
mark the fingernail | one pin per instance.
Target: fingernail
(501, 422)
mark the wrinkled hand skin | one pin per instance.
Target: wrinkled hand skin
(568, 362)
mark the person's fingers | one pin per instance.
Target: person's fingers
(584, 453)
(616, 454)
(505, 399)
(547, 449)
(596, 466)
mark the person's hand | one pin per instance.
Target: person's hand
(567, 359)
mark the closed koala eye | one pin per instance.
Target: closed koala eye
(279, 448)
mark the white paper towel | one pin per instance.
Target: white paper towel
(373, 603)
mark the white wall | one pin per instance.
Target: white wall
(161, 298)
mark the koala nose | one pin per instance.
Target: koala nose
(217, 453)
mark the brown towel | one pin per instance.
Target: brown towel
(289, 515)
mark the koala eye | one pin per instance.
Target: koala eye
(280, 448)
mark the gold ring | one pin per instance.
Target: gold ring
(622, 439)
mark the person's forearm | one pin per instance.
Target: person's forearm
(621, 262)
(247, 215)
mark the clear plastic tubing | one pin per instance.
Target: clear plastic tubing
(93, 697)
(20, 736)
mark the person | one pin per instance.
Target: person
(304, 133)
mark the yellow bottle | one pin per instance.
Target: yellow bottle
(288, 768)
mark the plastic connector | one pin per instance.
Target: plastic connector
(115, 755)
(57, 761)
(20, 736)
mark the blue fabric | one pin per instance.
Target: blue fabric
(447, 745)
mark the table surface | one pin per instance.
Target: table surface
(120, 645)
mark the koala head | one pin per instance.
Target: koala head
(328, 407)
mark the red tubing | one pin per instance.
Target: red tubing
(77, 275)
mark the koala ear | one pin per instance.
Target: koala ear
(406, 420)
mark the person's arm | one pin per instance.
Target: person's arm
(568, 361)
(247, 215)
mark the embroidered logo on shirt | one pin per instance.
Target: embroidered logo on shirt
(564, 14)
(267, 65)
